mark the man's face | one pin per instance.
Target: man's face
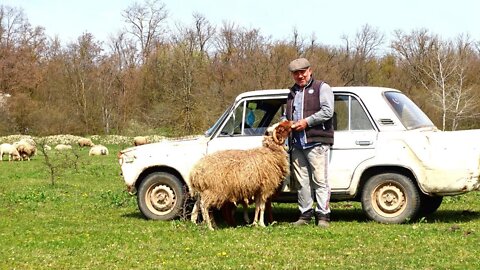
(302, 77)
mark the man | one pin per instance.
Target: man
(310, 105)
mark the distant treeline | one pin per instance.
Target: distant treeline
(148, 79)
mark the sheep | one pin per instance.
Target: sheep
(85, 142)
(98, 150)
(61, 147)
(27, 148)
(10, 150)
(139, 140)
(238, 175)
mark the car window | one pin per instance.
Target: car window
(252, 117)
(408, 112)
(350, 115)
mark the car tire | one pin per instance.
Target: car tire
(161, 196)
(390, 198)
(429, 204)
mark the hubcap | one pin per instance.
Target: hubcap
(161, 198)
(389, 200)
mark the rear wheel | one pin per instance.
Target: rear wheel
(390, 198)
(160, 196)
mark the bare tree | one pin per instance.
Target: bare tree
(203, 32)
(123, 50)
(81, 71)
(145, 24)
(226, 41)
(441, 68)
(191, 63)
(359, 53)
(12, 21)
(22, 50)
(464, 95)
(298, 42)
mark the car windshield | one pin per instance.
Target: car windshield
(411, 116)
(220, 120)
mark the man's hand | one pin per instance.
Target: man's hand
(300, 125)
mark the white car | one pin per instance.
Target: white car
(387, 154)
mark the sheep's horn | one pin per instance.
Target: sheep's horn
(275, 139)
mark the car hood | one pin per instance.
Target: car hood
(166, 146)
(180, 154)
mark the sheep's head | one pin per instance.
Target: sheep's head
(280, 131)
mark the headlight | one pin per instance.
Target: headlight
(128, 157)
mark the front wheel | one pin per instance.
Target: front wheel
(390, 198)
(160, 196)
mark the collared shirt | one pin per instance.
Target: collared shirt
(325, 113)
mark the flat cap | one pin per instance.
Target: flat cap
(298, 64)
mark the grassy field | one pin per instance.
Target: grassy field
(87, 221)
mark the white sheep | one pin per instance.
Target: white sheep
(239, 175)
(27, 148)
(10, 150)
(61, 147)
(98, 150)
(85, 142)
(139, 140)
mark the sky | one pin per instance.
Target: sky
(327, 20)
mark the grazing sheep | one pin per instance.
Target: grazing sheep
(10, 150)
(98, 150)
(238, 175)
(139, 140)
(61, 147)
(82, 142)
(26, 148)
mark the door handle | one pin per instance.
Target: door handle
(363, 143)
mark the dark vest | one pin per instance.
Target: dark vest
(322, 133)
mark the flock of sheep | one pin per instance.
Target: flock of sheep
(21, 150)
(239, 176)
(26, 148)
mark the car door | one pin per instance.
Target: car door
(247, 122)
(355, 140)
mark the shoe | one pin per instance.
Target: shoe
(301, 221)
(304, 218)
(322, 220)
(323, 223)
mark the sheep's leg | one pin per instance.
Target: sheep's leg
(269, 212)
(194, 217)
(259, 212)
(212, 221)
(262, 213)
(206, 214)
(245, 212)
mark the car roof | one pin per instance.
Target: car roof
(362, 91)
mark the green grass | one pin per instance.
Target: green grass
(87, 221)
